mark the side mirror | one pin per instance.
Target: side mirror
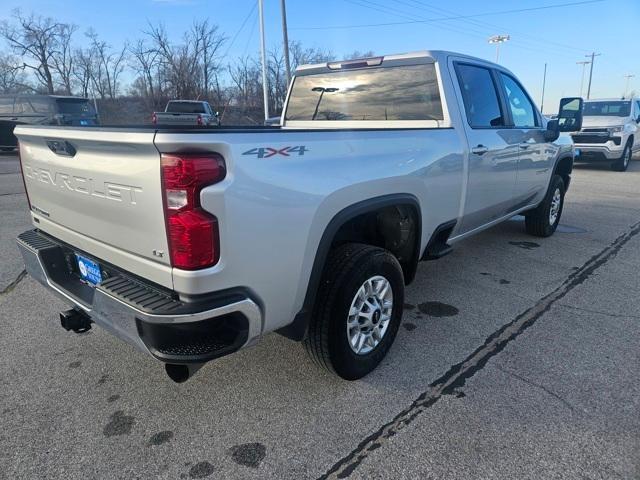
(552, 132)
(570, 114)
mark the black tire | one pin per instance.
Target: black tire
(348, 267)
(538, 221)
(623, 162)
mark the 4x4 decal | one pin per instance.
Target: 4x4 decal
(266, 152)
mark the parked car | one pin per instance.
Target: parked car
(194, 244)
(609, 132)
(42, 110)
(186, 112)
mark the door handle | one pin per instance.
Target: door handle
(479, 150)
(524, 146)
(14, 118)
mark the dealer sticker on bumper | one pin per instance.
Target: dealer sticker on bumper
(89, 270)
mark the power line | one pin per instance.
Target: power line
(456, 17)
(485, 24)
(244, 22)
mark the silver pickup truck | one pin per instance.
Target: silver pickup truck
(186, 112)
(193, 243)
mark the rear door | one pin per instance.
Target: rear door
(536, 156)
(493, 149)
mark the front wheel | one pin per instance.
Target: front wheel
(622, 163)
(544, 219)
(358, 310)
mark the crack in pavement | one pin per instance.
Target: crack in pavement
(598, 312)
(14, 283)
(458, 374)
(538, 385)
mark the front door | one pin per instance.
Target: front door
(536, 155)
(493, 149)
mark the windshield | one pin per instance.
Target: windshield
(75, 106)
(394, 93)
(185, 107)
(607, 109)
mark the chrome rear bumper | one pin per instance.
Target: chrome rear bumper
(152, 319)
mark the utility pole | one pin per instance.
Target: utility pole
(497, 40)
(626, 86)
(544, 81)
(263, 57)
(285, 39)
(584, 64)
(593, 55)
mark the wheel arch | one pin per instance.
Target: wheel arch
(297, 329)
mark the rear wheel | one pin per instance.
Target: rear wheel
(358, 310)
(544, 219)
(622, 163)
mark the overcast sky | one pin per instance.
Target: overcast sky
(558, 36)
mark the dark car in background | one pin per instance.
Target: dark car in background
(22, 109)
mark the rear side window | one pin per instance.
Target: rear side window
(23, 106)
(479, 96)
(522, 110)
(392, 93)
(6, 105)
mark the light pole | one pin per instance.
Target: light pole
(544, 81)
(593, 55)
(497, 40)
(285, 40)
(626, 85)
(584, 64)
(263, 58)
(322, 91)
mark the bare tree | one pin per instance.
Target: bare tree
(107, 66)
(63, 58)
(35, 39)
(12, 76)
(83, 70)
(210, 41)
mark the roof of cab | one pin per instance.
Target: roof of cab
(421, 56)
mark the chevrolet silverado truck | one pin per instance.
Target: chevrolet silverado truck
(186, 112)
(609, 132)
(194, 243)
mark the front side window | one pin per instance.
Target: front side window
(479, 96)
(6, 105)
(391, 93)
(522, 110)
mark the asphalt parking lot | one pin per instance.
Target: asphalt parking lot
(517, 358)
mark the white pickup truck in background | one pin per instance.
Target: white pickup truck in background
(186, 112)
(192, 243)
(609, 132)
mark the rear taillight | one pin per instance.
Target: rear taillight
(154, 118)
(192, 233)
(24, 181)
(199, 120)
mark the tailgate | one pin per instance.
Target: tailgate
(99, 190)
(177, 118)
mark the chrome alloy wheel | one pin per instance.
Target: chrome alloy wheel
(556, 201)
(369, 315)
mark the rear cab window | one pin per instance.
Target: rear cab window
(186, 107)
(406, 93)
(75, 106)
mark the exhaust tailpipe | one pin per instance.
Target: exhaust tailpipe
(75, 320)
(180, 373)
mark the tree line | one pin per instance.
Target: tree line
(44, 55)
